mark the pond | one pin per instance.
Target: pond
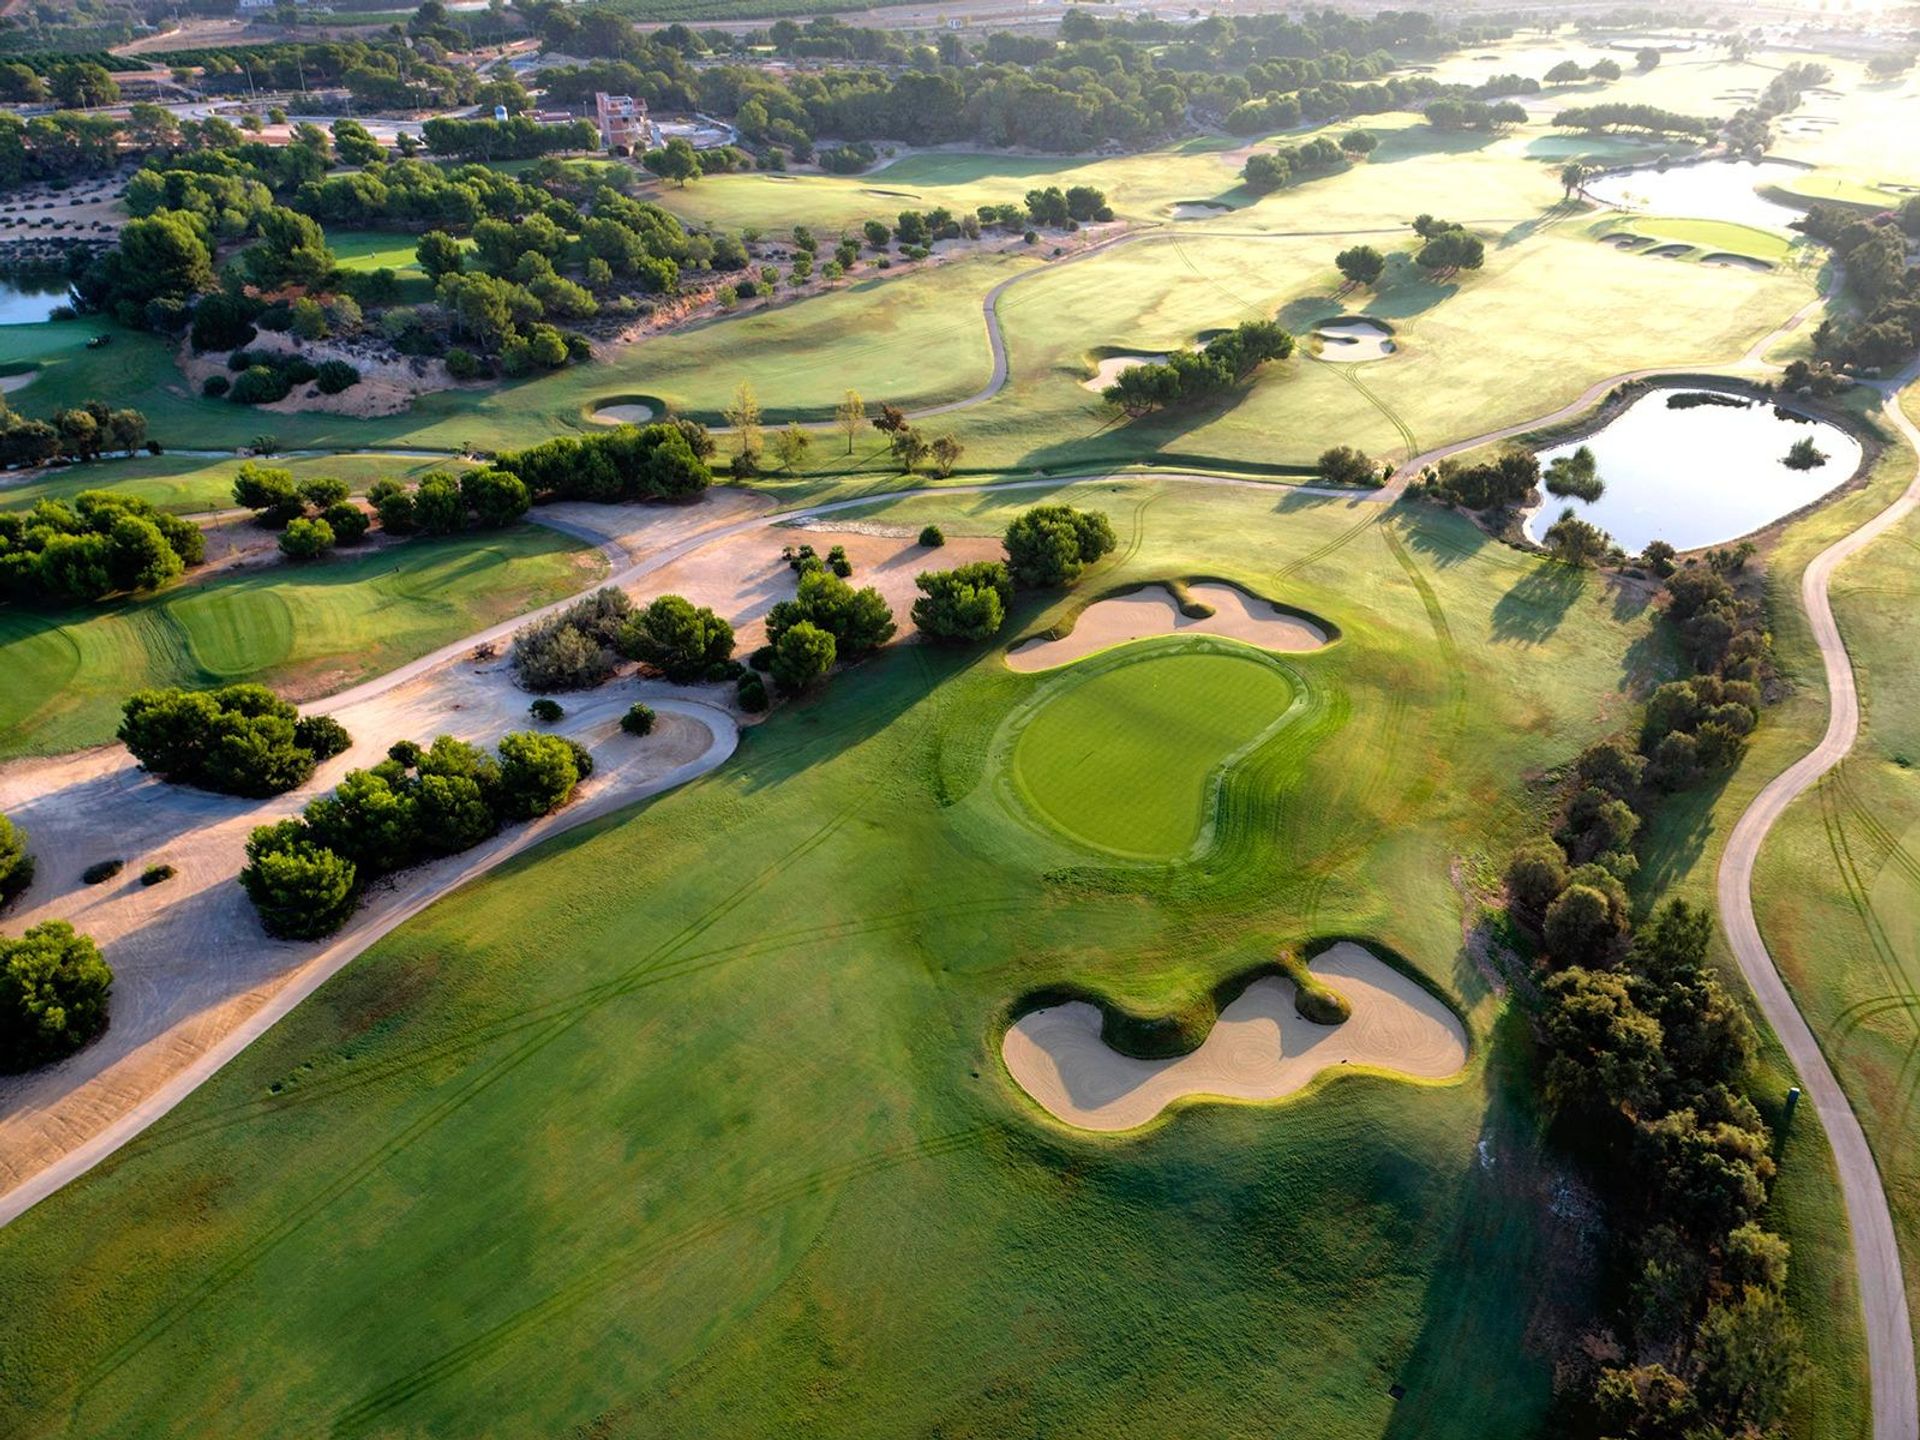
(1710, 190)
(1701, 474)
(28, 302)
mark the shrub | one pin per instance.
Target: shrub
(240, 740)
(968, 603)
(157, 874)
(1344, 465)
(214, 386)
(348, 522)
(306, 539)
(333, 376)
(301, 889)
(546, 710)
(53, 995)
(858, 620)
(394, 504)
(16, 863)
(932, 538)
(803, 655)
(464, 364)
(674, 637)
(751, 692)
(102, 871)
(259, 385)
(838, 562)
(1049, 545)
(638, 720)
(572, 650)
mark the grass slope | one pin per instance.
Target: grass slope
(307, 630)
(693, 1123)
(188, 484)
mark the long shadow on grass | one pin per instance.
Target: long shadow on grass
(1672, 843)
(1530, 612)
(1476, 1367)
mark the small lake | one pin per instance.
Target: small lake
(1710, 190)
(1701, 475)
(30, 302)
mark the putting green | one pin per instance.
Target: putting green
(1125, 757)
(235, 632)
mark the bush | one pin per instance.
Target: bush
(638, 720)
(838, 562)
(214, 386)
(858, 620)
(16, 864)
(1344, 465)
(803, 655)
(751, 692)
(394, 505)
(306, 539)
(1049, 545)
(538, 774)
(932, 538)
(157, 874)
(53, 995)
(240, 740)
(333, 376)
(348, 522)
(546, 710)
(102, 871)
(968, 603)
(573, 650)
(301, 889)
(259, 385)
(675, 638)
(464, 364)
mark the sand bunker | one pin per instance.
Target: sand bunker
(1260, 1048)
(622, 415)
(1671, 252)
(1153, 611)
(1108, 370)
(1742, 262)
(1624, 241)
(1198, 210)
(11, 383)
(1353, 339)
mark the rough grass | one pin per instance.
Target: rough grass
(311, 629)
(188, 484)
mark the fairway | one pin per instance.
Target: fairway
(1123, 755)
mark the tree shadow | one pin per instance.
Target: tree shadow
(1672, 844)
(1526, 229)
(1406, 290)
(1441, 537)
(1530, 612)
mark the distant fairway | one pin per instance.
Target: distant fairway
(313, 628)
(1123, 758)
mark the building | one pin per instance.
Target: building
(622, 120)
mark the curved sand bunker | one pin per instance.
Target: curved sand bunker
(1199, 210)
(622, 415)
(1153, 611)
(1356, 338)
(1260, 1048)
(1742, 262)
(1109, 369)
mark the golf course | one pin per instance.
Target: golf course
(1177, 798)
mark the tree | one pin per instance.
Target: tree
(438, 506)
(851, 417)
(1049, 545)
(53, 995)
(859, 620)
(139, 557)
(1361, 264)
(1750, 1358)
(305, 539)
(83, 85)
(162, 255)
(495, 496)
(1451, 251)
(300, 889)
(538, 774)
(791, 447)
(945, 451)
(16, 864)
(239, 740)
(802, 656)
(909, 448)
(1344, 465)
(355, 145)
(677, 161)
(1605, 1051)
(1573, 175)
(1576, 542)
(439, 254)
(1586, 923)
(684, 643)
(1265, 172)
(1359, 142)
(967, 603)
(743, 417)
(1646, 58)
(1567, 72)
(1536, 874)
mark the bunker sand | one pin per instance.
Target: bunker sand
(1260, 1048)
(1153, 611)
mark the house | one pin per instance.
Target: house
(623, 122)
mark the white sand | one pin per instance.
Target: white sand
(11, 383)
(1261, 1048)
(1153, 611)
(1110, 369)
(622, 415)
(1347, 341)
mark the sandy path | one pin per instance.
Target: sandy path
(1876, 1250)
(1261, 1048)
(1111, 368)
(1153, 611)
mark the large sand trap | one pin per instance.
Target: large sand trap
(1199, 210)
(1109, 370)
(1353, 339)
(1261, 1048)
(1740, 262)
(1153, 611)
(622, 415)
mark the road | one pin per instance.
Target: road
(1876, 1251)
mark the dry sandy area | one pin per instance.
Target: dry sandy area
(1111, 368)
(1261, 1048)
(743, 576)
(386, 387)
(622, 415)
(1349, 341)
(1153, 611)
(39, 213)
(11, 383)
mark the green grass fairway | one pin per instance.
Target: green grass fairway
(693, 1123)
(1709, 235)
(1122, 754)
(187, 485)
(310, 630)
